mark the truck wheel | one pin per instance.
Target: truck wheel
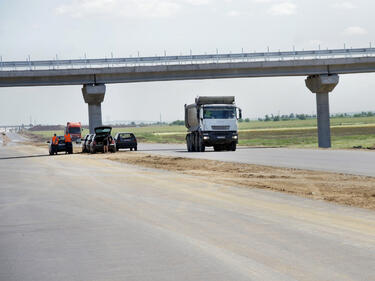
(188, 147)
(188, 143)
(196, 143)
(201, 146)
(136, 148)
(234, 146)
(191, 142)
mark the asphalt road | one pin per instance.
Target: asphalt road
(79, 217)
(357, 162)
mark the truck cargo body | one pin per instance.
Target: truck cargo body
(212, 121)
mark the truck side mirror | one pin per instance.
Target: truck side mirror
(239, 113)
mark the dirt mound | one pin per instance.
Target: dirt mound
(358, 191)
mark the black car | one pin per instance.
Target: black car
(86, 142)
(102, 135)
(126, 140)
(61, 147)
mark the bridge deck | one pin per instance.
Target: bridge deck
(126, 70)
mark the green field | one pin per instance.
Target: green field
(346, 133)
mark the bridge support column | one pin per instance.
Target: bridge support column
(322, 85)
(94, 96)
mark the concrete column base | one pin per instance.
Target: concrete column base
(94, 96)
(322, 85)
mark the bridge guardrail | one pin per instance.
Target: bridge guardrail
(183, 59)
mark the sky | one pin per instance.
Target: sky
(69, 29)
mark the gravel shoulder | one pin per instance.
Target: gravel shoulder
(356, 191)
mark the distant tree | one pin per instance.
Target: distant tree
(247, 120)
(301, 116)
(267, 118)
(177, 123)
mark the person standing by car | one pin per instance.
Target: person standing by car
(68, 143)
(55, 143)
(105, 145)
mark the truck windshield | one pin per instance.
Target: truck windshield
(74, 130)
(219, 112)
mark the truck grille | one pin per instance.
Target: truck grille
(220, 128)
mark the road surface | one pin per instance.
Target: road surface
(78, 217)
(357, 162)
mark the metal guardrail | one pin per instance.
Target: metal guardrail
(184, 59)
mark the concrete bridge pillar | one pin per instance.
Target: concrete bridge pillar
(94, 96)
(322, 85)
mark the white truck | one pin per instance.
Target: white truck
(212, 121)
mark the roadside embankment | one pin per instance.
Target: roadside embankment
(350, 190)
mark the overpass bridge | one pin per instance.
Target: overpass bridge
(321, 67)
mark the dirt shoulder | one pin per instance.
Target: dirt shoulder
(350, 190)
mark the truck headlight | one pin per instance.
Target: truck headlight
(235, 137)
(206, 137)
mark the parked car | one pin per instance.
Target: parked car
(86, 142)
(97, 143)
(125, 140)
(61, 147)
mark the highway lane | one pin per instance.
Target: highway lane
(339, 161)
(79, 217)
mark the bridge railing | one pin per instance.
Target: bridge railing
(184, 59)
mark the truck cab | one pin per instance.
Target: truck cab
(74, 129)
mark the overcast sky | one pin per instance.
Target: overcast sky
(72, 28)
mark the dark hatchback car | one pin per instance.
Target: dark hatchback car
(61, 147)
(126, 140)
(102, 135)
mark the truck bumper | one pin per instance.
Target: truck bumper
(214, 138)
